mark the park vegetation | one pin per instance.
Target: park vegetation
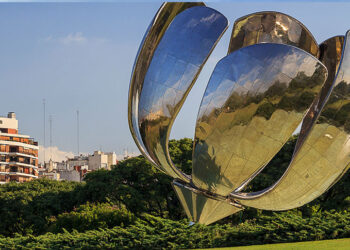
(133, 206)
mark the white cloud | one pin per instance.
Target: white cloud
(58, 155)
(54, 153)
(130, 154)
(73, 38)
(48, 39)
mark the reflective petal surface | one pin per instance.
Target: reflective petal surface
(274, 78)
(179, 52)
(255, 99)
(271, 27)
(201, 208)
(324, 155)
(153, 35)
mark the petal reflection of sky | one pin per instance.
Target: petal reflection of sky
(253, 69)
(183, 48)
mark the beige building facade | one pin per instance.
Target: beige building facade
(18, 153)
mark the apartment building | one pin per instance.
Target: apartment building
(97, 160)
(18, 153)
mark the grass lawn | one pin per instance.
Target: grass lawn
(340, 244)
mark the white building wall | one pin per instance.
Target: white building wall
(98, 160)
(71, 163)
(112, 159)
(51, 165)
(62, 166)
(70, 175)
(92, 162)
(11, 123)
(51, 176)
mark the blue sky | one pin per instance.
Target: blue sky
(80, 56)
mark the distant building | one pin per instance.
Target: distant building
(43, 173)
(58, 171)
(61, 165)
(96, 161)
(75, 169)
(18, 153)
(50, 170)
(71, 175)
(77, 161)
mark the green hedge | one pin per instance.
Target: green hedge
(134, 206)
(151, 232)
(26, 207)
(92, 216)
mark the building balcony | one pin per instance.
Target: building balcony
(19, 154)
(19, 174)
(11, 163)
(31, 145)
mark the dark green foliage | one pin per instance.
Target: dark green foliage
(136, 184)
(27, 208)
(134, 206)
(265, 110)
(91, 216)
(274, 170)
(24, 208)
(181, 154)
(151, 232)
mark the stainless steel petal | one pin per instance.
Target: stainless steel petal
(255, 99)
(324, 155)
(202, 208)
(330, 55)
(271, 27)
(176, 60)
(166, 13)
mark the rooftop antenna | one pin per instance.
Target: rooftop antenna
(50, 120)
(78, 131)
(44, 104)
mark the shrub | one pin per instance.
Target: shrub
(92, 216)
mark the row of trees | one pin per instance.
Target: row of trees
(133, 205)
(151, 232)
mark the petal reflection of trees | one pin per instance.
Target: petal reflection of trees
(249, 129)
(154, 128)
(337, 110)
(320, 162)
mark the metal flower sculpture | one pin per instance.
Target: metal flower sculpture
(274, 77)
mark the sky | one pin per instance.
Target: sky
(79, 56)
